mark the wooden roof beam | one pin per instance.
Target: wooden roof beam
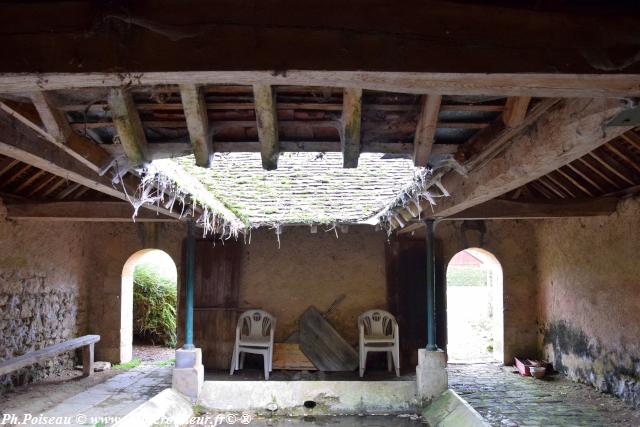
(195, 111)
(351, 123)
(267, 122)
(82, 211)
(515, 110)
(426, 129)
(128, 125)
(57, 125)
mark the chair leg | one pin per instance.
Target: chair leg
(265, 357)
(363, 361)
(389, 361)
(396, 359)
(271, 358)
(233, 362)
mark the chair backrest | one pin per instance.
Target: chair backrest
(255, 324)
(377, 322)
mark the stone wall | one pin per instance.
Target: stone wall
(589, 299)
(42, 297)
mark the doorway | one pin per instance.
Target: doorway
(475, 325)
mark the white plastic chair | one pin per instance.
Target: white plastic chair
(378, 331)
(254, 334)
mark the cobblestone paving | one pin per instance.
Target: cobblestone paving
(507, 399)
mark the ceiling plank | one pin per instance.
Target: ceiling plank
(195, 111)
(267, 123)
(569, 130)
(82, 211)
(57, 125)
(515, 110)
(128, 125)
(351, 122)
(426, 129)
(428, 35)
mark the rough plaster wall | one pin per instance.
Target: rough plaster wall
(513, 244)
(314, 269)
(43, 299)
(590, 299)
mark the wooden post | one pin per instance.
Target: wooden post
(351, 122)
(87, 360)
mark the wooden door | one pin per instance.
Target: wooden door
(215, 296)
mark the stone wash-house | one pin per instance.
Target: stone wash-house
(335, 155)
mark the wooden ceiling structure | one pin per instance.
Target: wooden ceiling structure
(90, 92)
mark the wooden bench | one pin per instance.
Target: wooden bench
(87, 343)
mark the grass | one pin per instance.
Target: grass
(154, 305)
(129, 365)
(166, 362)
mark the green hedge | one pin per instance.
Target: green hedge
(154, 305)
(466, 276)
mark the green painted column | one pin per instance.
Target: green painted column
(431, 287)
(191, 255)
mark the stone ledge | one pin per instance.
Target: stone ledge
(167, 408)
(449, 409)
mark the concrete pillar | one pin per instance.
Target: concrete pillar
(431, 374)
(188, 374)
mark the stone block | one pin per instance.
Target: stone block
(188, 374)
(431, 374)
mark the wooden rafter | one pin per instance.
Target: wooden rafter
(351, 122)
(559, 184)
(63, 135)
(67, 191)
(566, 132)
(515, 110)
(267, 124)
(575, 182)
(610, 168)
(426, 129)
(598, 172)
(195, 111)
(30, 181)
(584, 176)
(128, 125)
(42, 185)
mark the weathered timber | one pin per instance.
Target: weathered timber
(486, 38)
(288, 356)
(195, 111)
(267, 122)
(566, 132)
(515, 110)
(82, 211)
(128, 125)
(13, 364)
(323, 345)
(351, 123)
(426, 129)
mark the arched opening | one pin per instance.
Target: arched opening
(149, 277)
(475, 324)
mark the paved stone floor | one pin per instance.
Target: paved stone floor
(115, 397)
(507, 399)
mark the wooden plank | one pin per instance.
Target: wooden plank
(510, 209)
(195, 111)
(351, 123)
(59, 128)
(569, 130)
(267, 123)
(45, 353)
(289, 357)
(426, 129)
(414, 35)
(515, 110)
(323, 345)
(82, 211)
(127, 122)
